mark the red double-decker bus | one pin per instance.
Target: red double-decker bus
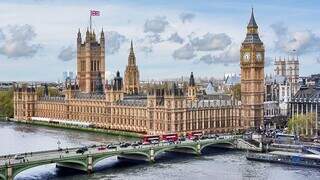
(193, 135)
(170, 137)
(151, 138)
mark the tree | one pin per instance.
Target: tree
(6, 103)
(302, 124)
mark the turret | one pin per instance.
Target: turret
(99, 84)
(93, 36)
(79, 39)
(87, 35)
(115, 93)
(102, 40)
(192, 90)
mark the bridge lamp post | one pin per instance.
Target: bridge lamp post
(58, 143)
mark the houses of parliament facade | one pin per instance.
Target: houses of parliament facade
(163, 108)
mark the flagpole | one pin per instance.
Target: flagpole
(90, 21)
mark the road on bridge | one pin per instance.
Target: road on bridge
(21, 158)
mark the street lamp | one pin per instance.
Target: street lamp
(58, 143)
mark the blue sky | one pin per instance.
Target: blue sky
(171, 38)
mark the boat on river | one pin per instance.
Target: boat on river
(292, 158)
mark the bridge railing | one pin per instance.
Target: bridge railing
(34, 152)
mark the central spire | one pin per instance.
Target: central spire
(252, 22)
(132, 58)
(131, 47)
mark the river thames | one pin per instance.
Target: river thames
(218, 164)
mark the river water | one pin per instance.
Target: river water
(214, 164)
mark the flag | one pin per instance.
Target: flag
(94, 13)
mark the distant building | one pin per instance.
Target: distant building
(288, 68)
(307, 100)
(231, 80)
(67, 74)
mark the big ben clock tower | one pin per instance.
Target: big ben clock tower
(252, 77)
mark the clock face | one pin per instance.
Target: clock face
(246, 56)
(259, 56)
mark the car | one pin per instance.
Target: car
(111, 146)
(164, 141)
(85, 148)
(124, 145)
(154, 142)
(18, 156)
(80, 151)
(182, 139)
(204, 137)
(134, 144)
(93, 146)
(67, 151)
(60, 149)
(102, 148)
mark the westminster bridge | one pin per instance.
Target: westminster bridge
(10, 165)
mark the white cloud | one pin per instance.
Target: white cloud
(176, 38)
(300, 41)
(67, 53)
(186, 52)
(156, 25)
(17, 41)
(227, 57)
(114, 41)
(211, 42)
(153, 38)
(186, 17)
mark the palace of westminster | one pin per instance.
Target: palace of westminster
(162, 108)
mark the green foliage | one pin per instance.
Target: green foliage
(6, 103)
(302, 124)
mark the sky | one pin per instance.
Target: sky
(171, 38)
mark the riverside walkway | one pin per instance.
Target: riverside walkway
(11, 165)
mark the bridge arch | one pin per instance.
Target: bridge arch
(17, 170)
(193, 149)
(216, 144)
(100, 158)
